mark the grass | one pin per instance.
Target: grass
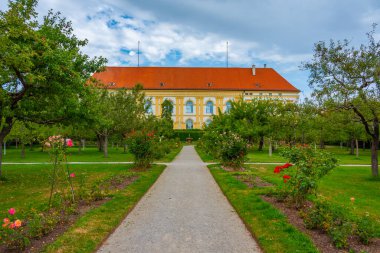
(29, 184)
(342, 154)
(266, 223)
(339, 186)
(204, 156)
(90, 230)
(27, 187)
(89, 154)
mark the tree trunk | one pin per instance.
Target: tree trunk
(270, 147)
(100, 142)
(261, 143)
(357, 148)
(374, 157)
(363, 145)
(1, 154)
(105, 146)
(125, 148)
(352, 146)
(31, 146)
(4, 132)
(79, 146)
(83, 143)
(341, 145)
(322, 144)
(22, 150)
(16, 143)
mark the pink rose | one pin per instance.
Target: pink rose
(72, 175)
(69, 142)
(12, 211)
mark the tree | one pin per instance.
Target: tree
(42, 70)
(117, 113)
(350, 77)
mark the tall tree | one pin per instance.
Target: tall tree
(350, 77)
(116, 113)
(42, 69)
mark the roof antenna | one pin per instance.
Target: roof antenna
(138, 53)
(227, 54)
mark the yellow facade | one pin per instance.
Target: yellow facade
(201, 100)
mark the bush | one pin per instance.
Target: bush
(142, 145)
(232, 150)
(338, 223)
(195, 134)
(309, 167)
(228, 147)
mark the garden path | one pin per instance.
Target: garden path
(184, 211)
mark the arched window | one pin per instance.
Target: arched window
(189, 124)
(210, 107)
(189, 107)
(148, 107)
(208, 122)
(228, 106)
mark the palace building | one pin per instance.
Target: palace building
(197, 93)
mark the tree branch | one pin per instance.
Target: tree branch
(365, 123)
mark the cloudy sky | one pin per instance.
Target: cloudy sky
(278, 33)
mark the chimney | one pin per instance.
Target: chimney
(265, 65)
(253, 69)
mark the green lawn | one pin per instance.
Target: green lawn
(27, 187)
(266, 223)
(87, 234)
(89, 154)
(339, 186)
(342, 154)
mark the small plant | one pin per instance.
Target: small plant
(365, 229)
(142, 145)
(309, 167)
(12, 232)
(61, 176)
(338, 222)
(228, 147)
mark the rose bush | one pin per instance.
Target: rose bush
(302, 179)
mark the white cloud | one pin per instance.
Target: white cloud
(195, 32)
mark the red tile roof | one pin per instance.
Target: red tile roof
(189, 78)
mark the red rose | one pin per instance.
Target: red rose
(287, 165)
(286, 178)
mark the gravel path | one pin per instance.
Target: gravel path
(184, 211)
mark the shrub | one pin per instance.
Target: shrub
(228, 147)
(338, 222)
(365, 229)
(142, 145)
(195, 134)
(309, 167)
(232, 150)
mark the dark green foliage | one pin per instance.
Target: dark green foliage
(195, 134)
(309, 167)
(43, 72)
(339, 223)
